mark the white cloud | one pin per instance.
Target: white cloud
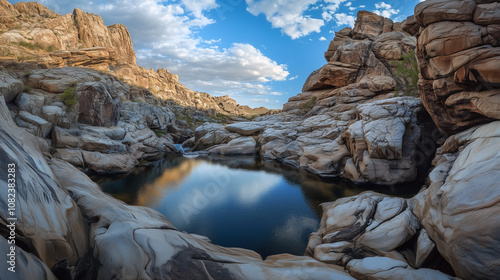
(322, 38)
(198, 6)
(293, 78)
(344, 19)
(385, 10)
(287, 15)
(259, 100)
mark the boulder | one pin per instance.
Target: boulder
(108, 163)
(365, 225)
(96, 105)
(210, 134)
(42, 127)
(444, 10)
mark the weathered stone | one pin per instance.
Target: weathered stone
(237, 146)
(49, 223)
(10, 86)
(43, 126)
(362, 225)
(428, 12)
(246, 128)
(108, 163)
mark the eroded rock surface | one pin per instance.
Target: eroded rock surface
(458, 53)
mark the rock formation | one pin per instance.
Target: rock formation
(39, 38)
(347, 122)
(458, 51)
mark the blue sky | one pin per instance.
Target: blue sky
(258, 52)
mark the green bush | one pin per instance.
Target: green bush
(309, 104)
(36, 46)
(69, 97)
(28, 89)
(407, 72)
(159, 132)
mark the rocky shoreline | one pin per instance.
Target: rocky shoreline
(349, 121)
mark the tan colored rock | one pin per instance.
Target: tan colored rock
(458, 59)
(7, 9)
(34, 9)
(369, 25)
(444, 10)
(487, 14)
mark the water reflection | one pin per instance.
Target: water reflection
(246, 202)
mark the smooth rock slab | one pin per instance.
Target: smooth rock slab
(238, 146)
(383, 268)
(246, 128)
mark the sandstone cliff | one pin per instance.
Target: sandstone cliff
(32, 34)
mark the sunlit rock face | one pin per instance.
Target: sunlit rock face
(458, 51)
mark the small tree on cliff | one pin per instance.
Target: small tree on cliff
(407, 72)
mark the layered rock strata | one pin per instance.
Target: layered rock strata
(458, 51)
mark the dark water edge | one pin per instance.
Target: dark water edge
(243, 202)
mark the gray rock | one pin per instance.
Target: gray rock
(10, 86)
(246, 128)
(384, 268)
(238, 146)
(49, 223)
(460, 209)
(43, 127)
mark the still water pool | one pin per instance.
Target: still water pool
(244, 202)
